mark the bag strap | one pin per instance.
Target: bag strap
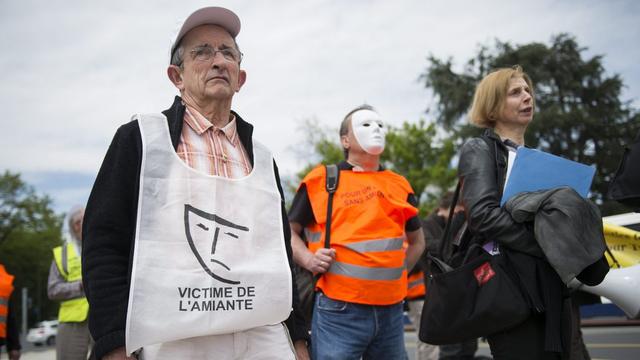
(447, 229)
(331, 184)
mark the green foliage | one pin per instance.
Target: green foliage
(579, 114)
(29, 229)
(414, 152)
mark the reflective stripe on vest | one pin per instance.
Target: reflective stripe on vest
(415, 286)
(6, 288)
(68, 263)
(370, 210)
(312, 236)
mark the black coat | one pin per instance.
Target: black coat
(482, 171)
(109, 231)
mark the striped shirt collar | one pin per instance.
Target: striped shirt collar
(200, 124)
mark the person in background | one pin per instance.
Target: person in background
(416, 291)
(9, 334)
(65, 285)
(358, 311)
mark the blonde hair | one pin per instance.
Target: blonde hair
(490, 95)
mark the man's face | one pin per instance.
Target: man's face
(76, 225)
(369, 130)
(217, 78)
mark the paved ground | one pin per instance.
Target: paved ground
(611, 343)
(40, 354)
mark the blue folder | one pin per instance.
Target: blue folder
(535, 170)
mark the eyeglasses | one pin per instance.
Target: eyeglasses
(206, 53)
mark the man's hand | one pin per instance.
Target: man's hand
(316, 263)
(302, 352)
(320, 261)
(15, 355)
(118, 354)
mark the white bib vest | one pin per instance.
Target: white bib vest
(209, 254)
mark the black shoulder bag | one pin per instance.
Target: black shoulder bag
(305, 280)
(475, 297)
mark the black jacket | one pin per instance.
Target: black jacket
(572, 248)
(109, 231)
(482, 170)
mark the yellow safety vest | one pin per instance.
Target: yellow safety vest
(6, 287)
(68, 263)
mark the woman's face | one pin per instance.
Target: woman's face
(518, 107)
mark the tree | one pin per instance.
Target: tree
(29, 229)
(413, 150)
(579, 113)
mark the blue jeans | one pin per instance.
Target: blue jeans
(345, 331)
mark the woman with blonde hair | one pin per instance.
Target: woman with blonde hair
(504, 105)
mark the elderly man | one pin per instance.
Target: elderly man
(358, 309)
(188, 249)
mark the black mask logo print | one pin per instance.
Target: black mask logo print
(211, 238)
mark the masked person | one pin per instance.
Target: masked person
(188, 245)
(358, 308)
(65, 285)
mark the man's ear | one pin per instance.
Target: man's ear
(242, 77)
(175, 75)
(344, 140)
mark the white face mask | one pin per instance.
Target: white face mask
(369, 130)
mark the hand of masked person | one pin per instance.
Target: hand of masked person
(321, 260)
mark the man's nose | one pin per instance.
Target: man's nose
(218, 59)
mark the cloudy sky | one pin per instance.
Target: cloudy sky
(75, 70)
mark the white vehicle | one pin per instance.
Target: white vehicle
(628, 220)
(43, 333)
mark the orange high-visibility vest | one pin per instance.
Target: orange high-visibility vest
(6, 288)
(415, 286)
(370, 210)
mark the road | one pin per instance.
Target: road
(611, 343)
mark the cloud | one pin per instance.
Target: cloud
(74, 71)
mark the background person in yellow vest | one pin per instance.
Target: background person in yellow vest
(9, 334)
(358, 310)
(65, 285)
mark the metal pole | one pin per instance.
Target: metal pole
(24, 310)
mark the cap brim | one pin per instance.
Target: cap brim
(213, 15)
